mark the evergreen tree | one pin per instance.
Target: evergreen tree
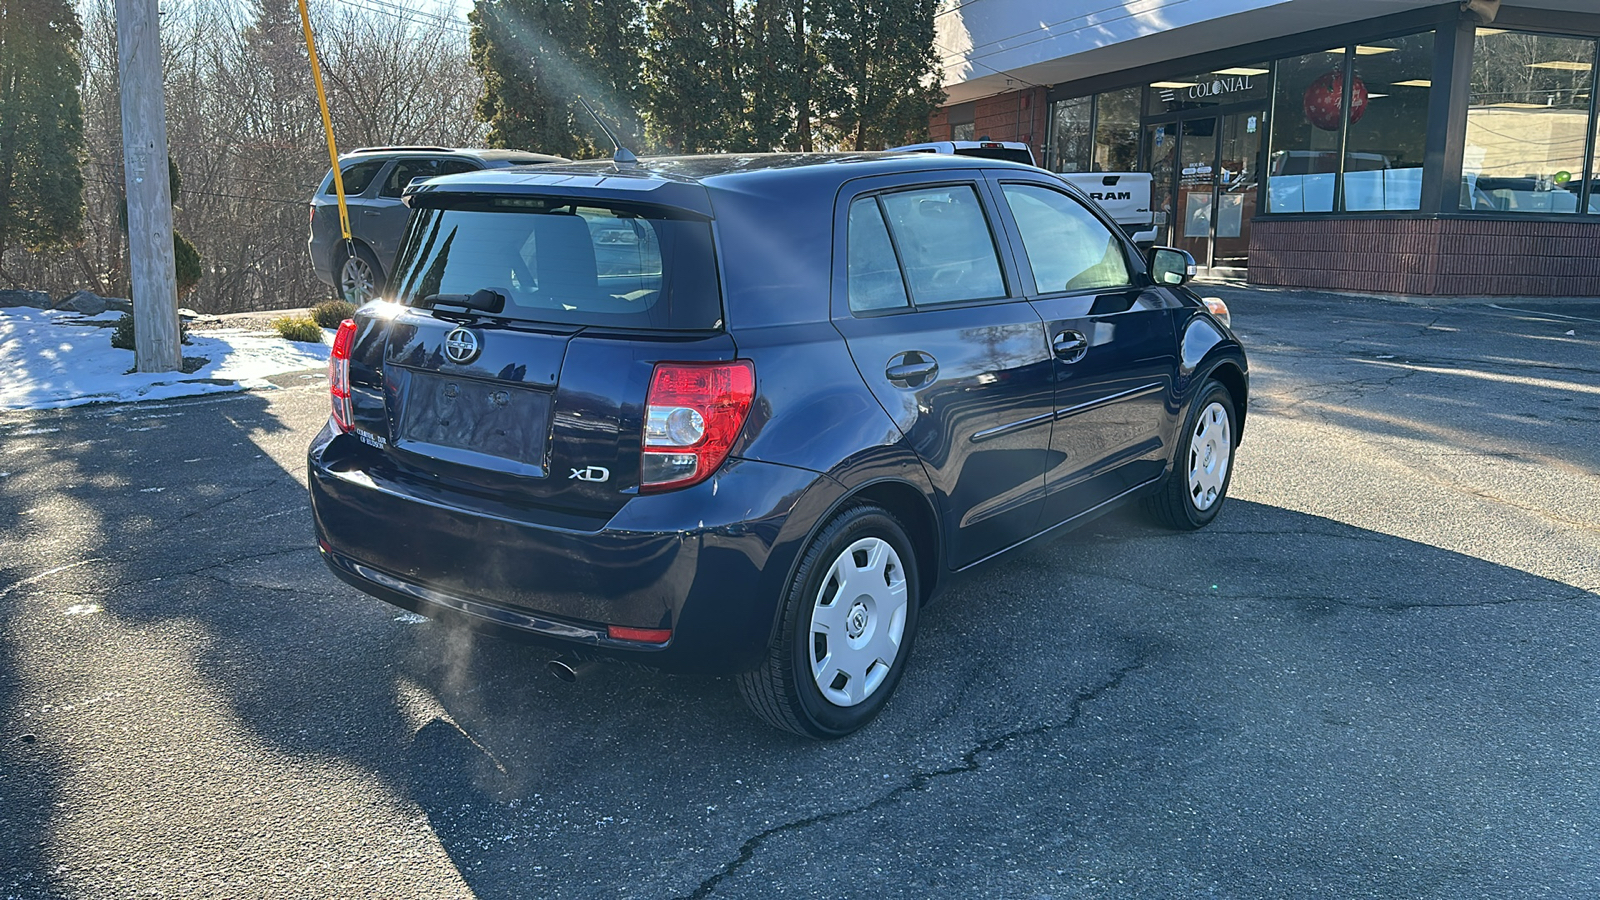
(771, 73)
(41, 124)
(692, 76)
(880, 84)
(538, 57)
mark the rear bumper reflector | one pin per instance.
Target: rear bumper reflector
(642, 635)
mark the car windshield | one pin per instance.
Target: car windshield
(566, 263)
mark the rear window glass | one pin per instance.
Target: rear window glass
(357, 177)
(1005, 153)
(571, 264)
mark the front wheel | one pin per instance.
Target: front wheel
(849, 618)
(1203, 466)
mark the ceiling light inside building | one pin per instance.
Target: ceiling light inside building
(1239, 70)
(1565, 65)
(1484, 32)
(1364, 50)
(1375, 96)
(1173, 84)
(1415, 82)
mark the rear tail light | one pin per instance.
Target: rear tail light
(339, 375)
(693, 414)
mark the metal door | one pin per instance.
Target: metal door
(967, 380)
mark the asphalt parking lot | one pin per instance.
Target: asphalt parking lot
(1374, 676)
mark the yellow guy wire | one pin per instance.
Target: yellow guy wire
(327, 123)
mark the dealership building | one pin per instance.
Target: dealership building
(1391, 146)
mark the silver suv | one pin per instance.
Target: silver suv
(374, 178)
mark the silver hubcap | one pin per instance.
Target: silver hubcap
(857, 622)
(355, 280)
(1210, 450)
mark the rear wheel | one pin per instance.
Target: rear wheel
(357, 275)
(1203, 467)
(849, 618)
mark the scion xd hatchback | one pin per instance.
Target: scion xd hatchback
(746, 414)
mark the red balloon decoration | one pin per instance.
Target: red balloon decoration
(1324, 96)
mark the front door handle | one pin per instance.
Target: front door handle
(1070, 346)
(370, 212)
(911, 369)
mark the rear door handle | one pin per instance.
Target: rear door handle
(911, 369)
(370, 212)
(1070, 346)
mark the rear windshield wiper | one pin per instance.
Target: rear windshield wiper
(485, 300)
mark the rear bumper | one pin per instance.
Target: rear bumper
(710, 562)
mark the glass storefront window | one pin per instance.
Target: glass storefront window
(1388, 124)
(1594, 173)
(1527, 122)
(1116, 131)
(1071, 144)
(1306, 119)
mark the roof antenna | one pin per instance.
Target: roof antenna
(623, 156)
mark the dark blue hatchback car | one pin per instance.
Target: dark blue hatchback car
(747, 414)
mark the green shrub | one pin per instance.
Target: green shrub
(122, 336)
(330, 313)
(298, 328)
(186, 259)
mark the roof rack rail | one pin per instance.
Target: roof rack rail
(423, 148)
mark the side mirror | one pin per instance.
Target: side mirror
(1170, 266)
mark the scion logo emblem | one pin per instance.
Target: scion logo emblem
(591, 473)
(461, 346)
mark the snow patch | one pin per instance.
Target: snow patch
(41, 370)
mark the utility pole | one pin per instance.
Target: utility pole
(145, 178)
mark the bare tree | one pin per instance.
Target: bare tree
(245, 132)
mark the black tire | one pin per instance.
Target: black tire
(1181, 504)
(348, 288)
(785, 689)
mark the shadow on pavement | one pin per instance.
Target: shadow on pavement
(1469, 376)
(1279, 674)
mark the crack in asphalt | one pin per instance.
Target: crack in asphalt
(970, 762)
(1398, 606)
(1290, 398)
(1390, 607)
(196, 572)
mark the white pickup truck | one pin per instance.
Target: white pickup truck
(1125, 196)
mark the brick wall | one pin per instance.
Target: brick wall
(1437, 257)
(1013, 116)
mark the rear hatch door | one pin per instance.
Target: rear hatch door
(532, 408)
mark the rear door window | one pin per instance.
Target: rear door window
(357, 177)
(1067, 247)
(404, 172)
(946, 248)
(457, 166)
(567, 262)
